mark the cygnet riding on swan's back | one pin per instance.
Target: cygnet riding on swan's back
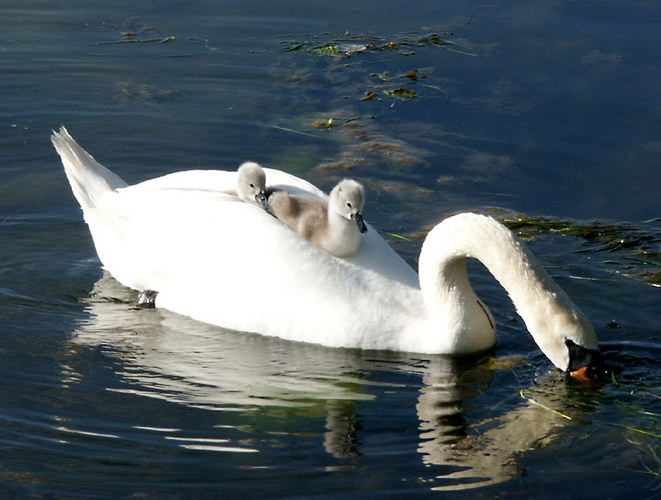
(251, 183)
(205, 253)
(334, 225)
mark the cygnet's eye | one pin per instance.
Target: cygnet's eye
(349, 204)
(252, 185)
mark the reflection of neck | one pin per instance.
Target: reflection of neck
(341, 429)
(482, 452)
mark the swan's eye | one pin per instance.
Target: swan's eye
(348, 204)
(252, 186)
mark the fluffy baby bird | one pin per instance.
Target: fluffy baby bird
(251, 184)
(333, 225)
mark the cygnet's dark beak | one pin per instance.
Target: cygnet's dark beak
(587, 365)
(261, 199)
(358, 219)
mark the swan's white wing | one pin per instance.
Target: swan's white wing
(221, 180)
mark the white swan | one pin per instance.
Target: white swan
(334, 225)
(222, 261)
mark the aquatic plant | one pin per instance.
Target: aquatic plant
(389, 86)
(636, 248)
(349, 45)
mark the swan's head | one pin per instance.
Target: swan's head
(251, 183)
(586, 365)
(347, 199)
(570, 342)
(566, 336)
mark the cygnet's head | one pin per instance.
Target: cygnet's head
(251, 183)
(347, 199)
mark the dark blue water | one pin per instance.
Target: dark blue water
(541, 109)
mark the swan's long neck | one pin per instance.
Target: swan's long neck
(549, 314)
(343, 235)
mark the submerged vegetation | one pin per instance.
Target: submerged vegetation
(630, 415)
(125, 92)
(395, 86)
(636, 249)
(133, 31)
(129, 38)
(350, 45)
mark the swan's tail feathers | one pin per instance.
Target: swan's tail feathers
(88, 178)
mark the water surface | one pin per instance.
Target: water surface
(545, 110)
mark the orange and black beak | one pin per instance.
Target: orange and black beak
(586, 365)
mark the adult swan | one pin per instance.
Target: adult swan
(220, 260)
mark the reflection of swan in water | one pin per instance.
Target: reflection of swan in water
(487, 453)
(171, 357)
(200, 365)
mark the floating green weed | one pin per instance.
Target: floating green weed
(395, 235)
(350, 45)
(414, 76)
(143, 101)
(323, 123)
(638, 246)
(290, 130)
(605, 410)
(125, 92)
(401, 94)
(326, 50)
(135, 40)
(399, 87)
(533, 401)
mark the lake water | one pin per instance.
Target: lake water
(546, 111)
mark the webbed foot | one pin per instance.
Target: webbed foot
(146, 299)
